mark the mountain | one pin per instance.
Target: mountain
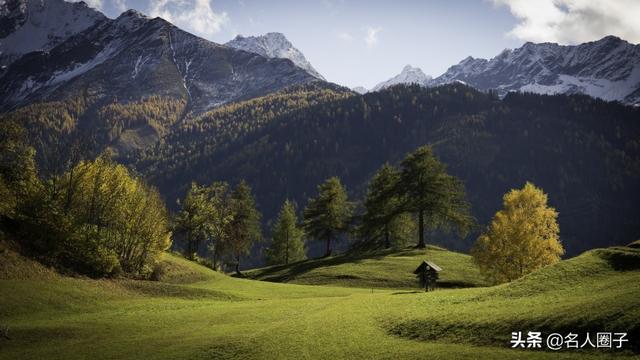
(274, 45)
(608, 69)
(27, 26)
(360, 90)
(408, 75)
(124, 82)
(133, 57)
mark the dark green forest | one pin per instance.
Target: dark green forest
(584, 152)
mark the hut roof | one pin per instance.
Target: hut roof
(427, 263)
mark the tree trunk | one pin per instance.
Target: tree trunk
(387, 240)
(328, 251)
(421, 244)
(286, 255)
(189, 246)
(238, 265)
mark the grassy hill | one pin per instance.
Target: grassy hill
(195, 313)
(379, 269)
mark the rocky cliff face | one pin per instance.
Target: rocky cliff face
(274, 45)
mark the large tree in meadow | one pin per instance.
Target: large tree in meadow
(194, 218)
(219, 242)
(384, 219)
(288, 237)
(328, 214)
(523, 237)
(437, 198)
(244, 227)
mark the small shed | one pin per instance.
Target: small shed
(427, 274)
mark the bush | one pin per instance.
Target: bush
(84, 252)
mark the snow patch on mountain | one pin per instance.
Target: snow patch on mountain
(274, 45)
(608, 69)
(41, 25)
(360, 90)
(409, 75)
(134, 57)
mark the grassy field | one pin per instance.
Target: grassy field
(195, 313)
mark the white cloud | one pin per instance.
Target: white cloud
(193, 15)
(120, 5)
(371, 39)
(96, 4)
(574, 21)
(345, 36)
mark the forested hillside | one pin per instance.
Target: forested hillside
(585, 153)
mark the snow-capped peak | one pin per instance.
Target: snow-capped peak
(409, 75)
(273, 45)
(608, 69)
(360, 90)
(30, 25)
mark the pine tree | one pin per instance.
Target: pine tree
(428, 190)
(288, 237)
(382, 208)
(194, 218)
(245, 229)
(329, 213)
(523, 237)
(221, 214)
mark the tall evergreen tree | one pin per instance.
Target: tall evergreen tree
(428, 190)
(194, 218)
(244, 227)
(329, 213)
(288, 237)
(218, 224)
(382, 205)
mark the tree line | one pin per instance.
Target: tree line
(99, 219)
(420, 190)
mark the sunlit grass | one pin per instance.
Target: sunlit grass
(213, 316)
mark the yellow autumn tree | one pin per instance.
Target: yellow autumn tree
(522, 237)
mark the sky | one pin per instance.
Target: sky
(363, 42)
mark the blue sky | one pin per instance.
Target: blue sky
(357, 42)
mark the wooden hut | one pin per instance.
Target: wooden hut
(427, 274)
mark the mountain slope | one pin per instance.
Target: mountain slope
(123, 83)
(583, 152)
(608, 69)
(273, 45)
(133, 57)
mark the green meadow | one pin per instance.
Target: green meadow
(334, 308)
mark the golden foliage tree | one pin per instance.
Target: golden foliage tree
(118, 221)
(522, 237)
